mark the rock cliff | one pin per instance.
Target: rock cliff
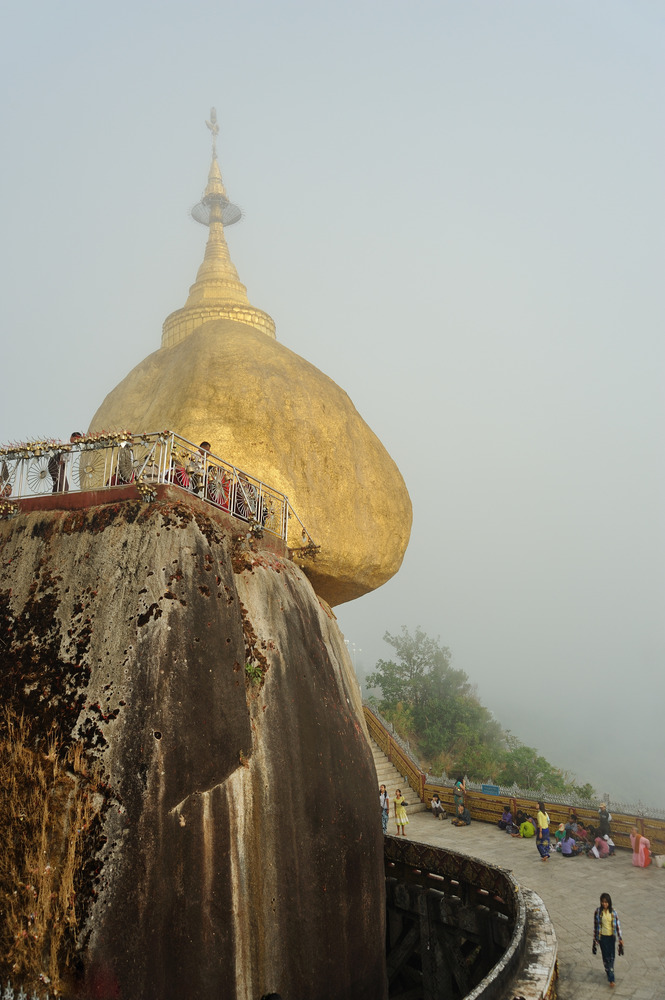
(238, 849)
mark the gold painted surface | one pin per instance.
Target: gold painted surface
(218, 292)
(267, 410)
(221, 376)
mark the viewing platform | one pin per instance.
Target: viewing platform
(570, 891)
(109, 463)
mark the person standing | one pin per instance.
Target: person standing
(543, 832)
(459, 792)
(604, 820)
(61, 463)
(606, 932)
(384, 802)
(401, 819)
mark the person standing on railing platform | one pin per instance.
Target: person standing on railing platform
(384, 802)
(58, 466)
(199, 477)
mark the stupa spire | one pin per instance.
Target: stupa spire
(217, 292)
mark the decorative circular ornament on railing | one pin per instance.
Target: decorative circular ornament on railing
(91, 469)
(246, 499)
(7, 477)
(179, 476)
(219, 486)
(39, 475)
(142, 462)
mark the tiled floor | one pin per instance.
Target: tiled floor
(571, 891)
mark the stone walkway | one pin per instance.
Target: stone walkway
(571, 891)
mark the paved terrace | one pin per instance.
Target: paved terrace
(571, 891)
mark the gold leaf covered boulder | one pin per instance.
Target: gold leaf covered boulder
(221, 376)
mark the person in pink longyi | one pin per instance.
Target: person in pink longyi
(641, 849)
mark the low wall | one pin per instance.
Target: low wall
(468, 927)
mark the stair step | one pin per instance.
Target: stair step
(387, 774)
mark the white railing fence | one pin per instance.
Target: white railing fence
(107, 461)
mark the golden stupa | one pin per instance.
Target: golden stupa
(221, 376)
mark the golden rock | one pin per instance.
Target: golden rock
(221, 376)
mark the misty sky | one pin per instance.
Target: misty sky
(455, 210)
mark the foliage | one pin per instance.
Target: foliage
(435, 707)
(525, 767)
(253, 672)
(47, 807)
(444, 713)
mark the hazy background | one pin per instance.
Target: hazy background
(455, 210)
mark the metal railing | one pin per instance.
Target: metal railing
(103, 461)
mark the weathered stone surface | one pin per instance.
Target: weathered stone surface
(243, 851)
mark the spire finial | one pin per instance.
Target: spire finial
(217, 292)
(214, 128)
(215, 205)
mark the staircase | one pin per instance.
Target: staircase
(388, 775)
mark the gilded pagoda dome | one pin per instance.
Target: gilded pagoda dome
(220, 375)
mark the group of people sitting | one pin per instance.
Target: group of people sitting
(461, 815)
(572, 838)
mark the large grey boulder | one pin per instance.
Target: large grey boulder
(239, 847)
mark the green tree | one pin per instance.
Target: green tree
(418, 656)
(435, 706)
(525, 767)
(440, 703)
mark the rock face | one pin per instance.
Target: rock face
(243, 848)
(266, 410)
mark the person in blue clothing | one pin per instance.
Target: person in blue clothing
(606, 932)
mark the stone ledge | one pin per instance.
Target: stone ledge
(537, 979)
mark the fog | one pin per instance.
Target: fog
(456, 211)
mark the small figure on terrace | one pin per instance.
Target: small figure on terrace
(401, 819)
(462, 817)
(641, 849)
(606, 932)
(600, 849)
(604, 820)
(436, 805)
(528, 827)
(569, 846)
(543, 827)
(384, 803)
(459, 792)
(506, 821)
